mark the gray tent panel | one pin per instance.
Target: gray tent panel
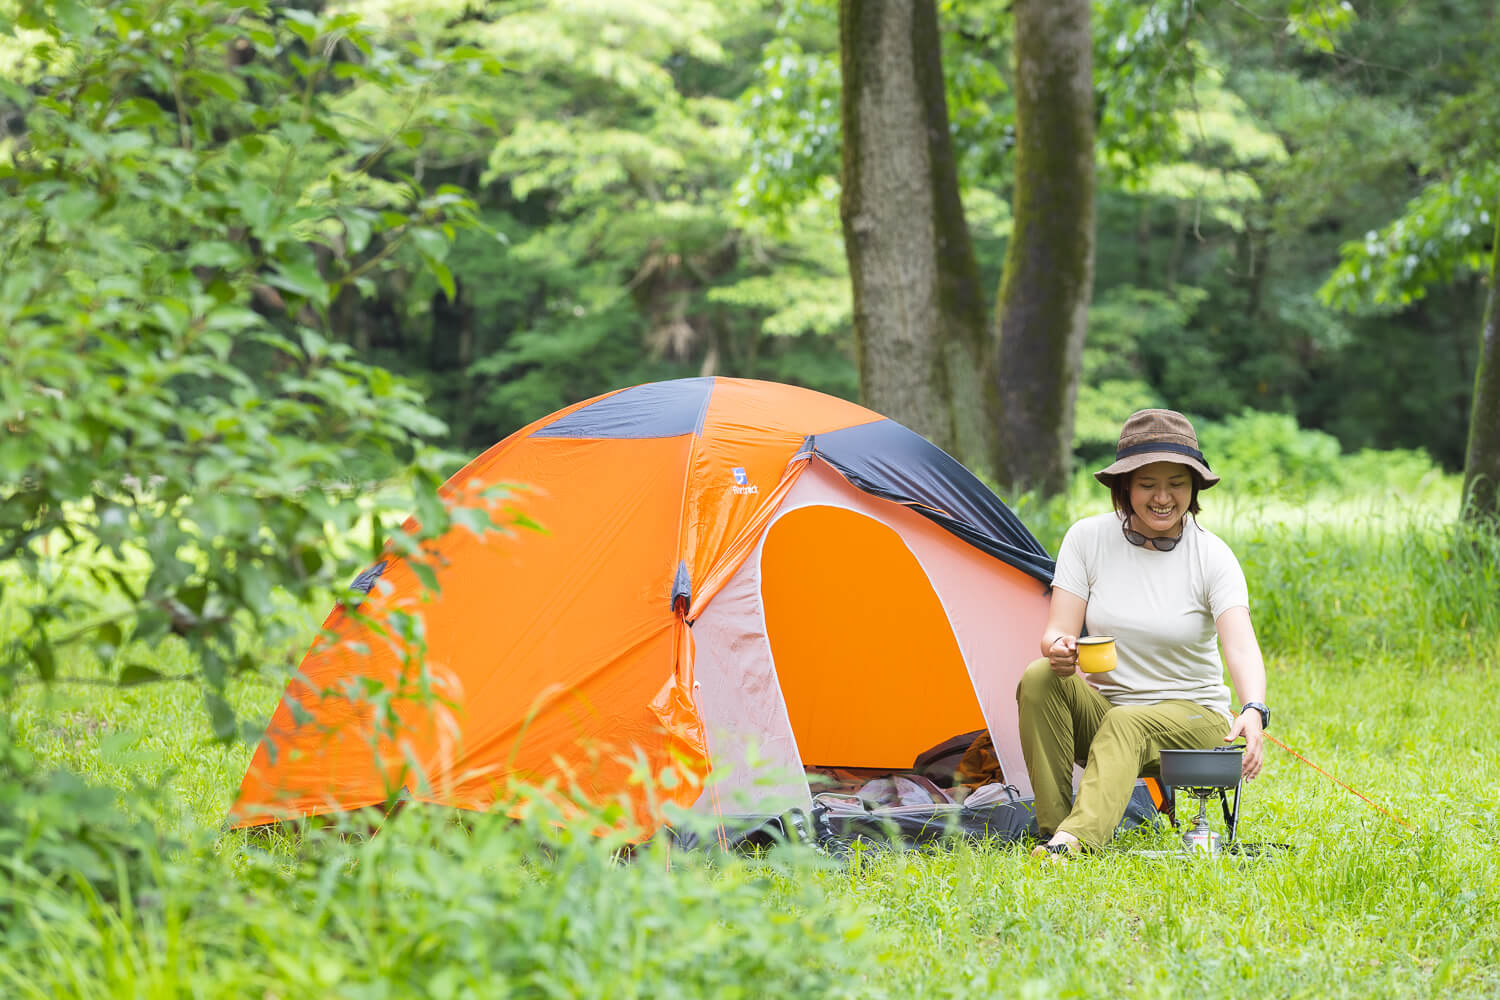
(655, 410)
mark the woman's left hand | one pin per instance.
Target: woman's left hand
(1248, 726)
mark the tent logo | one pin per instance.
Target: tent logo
(742, 482)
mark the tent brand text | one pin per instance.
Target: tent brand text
(742, 483)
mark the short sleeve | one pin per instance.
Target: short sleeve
(1072, 572)
(1225, 580)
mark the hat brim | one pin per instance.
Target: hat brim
(1124, 465)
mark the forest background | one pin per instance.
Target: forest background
(1295, 210)
(661, 184)
(256, 258)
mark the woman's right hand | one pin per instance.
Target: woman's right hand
(1062, 655)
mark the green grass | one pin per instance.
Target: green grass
(1382, 628)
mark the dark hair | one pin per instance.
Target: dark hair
(1119, 491)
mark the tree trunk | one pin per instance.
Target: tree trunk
(1482, 461)
(1042, 313)
(919, 323)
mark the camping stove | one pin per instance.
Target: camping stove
(1203, 775)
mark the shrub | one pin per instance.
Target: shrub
(1267, 453)
(433, 907)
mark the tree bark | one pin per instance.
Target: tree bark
(1042, 313)
(1482, 459)
(919, 323)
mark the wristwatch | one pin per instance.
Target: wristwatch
(1259, 706)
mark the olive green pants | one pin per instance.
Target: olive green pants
(1064, 719)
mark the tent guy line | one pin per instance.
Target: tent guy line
(1342, 784)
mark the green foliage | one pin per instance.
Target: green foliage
(665, 175)
(1447, 230)
(1362, 142)
(1142, 71)
(981, 108)
(791, 113)
(1292, 129)
(185, 207)
(1212, 163)
(1320, 25)
(57, 830)
(818, 304)
(793, 107)
(1267, 454)
(1126, 327)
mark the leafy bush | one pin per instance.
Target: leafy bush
(56, 830)
(1267, 453)
(435, 908)
(1267, 456)
(1401, 472)
(184, 207)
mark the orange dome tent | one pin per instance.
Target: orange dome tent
(733, 576)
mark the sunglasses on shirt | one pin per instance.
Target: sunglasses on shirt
(1159, 544)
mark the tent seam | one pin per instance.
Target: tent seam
(687, 478)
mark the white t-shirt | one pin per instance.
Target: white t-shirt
(1159, 606)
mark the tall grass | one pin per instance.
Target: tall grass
(1374, 588)
(1381, 627)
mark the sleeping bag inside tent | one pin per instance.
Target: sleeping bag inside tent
(780, 597)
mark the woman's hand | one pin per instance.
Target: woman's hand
(1059, 640)
(1248, 726)
(1062, 655)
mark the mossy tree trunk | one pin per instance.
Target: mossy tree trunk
(1482, 460)
(919, 318)
(1042, 313)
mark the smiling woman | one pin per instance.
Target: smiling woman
(1159, 494)
(1169, 591)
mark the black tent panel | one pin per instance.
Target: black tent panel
(888, 460)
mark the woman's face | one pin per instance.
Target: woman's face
(1159, 497)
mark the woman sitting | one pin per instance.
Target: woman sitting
(1166, 589)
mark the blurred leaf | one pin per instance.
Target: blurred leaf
(43, 656)
(138, 673)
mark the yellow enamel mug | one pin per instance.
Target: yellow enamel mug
(1096, 653)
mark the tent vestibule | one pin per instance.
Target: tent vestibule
(857, 634)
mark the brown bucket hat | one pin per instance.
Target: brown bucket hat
(1157, 436)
